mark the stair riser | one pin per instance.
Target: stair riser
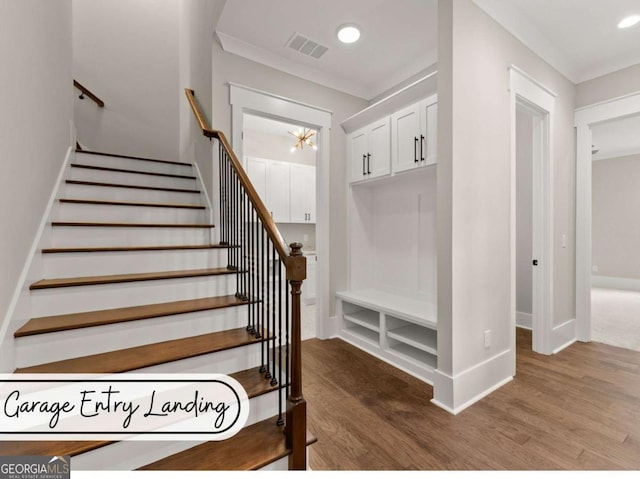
(70, 265)
(32, 350)
(89, 236)
(76, 299)
(102, 176)
(131, 164)
(109, 193)
(132, 455)
(130, 214)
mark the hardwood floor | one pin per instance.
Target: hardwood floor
(579, 409)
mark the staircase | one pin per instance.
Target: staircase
(133, 283)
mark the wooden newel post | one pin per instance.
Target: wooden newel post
(296, 428)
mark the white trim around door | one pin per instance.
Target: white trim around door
(530, 95)
(585, 118)
(249, 100)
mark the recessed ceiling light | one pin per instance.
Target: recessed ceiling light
(629, 21)
(348, 33)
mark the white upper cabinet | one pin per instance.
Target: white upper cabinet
(287, 190)
(369, 151)
(303, 194)
(414, 135)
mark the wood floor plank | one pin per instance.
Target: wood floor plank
(128, 278)
(129, 359)
(66, 322)
(574, 410)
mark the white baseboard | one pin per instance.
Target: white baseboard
(611, 282)
(455, 394)
(563, 335)
(19, 307)
(202, 187)
(524, 320)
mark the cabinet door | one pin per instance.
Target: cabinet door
(358, 146)
(309, 284)
(278, 191)
(257, 172)
(303, 194)
(405, 138)
(429, 131)
(379, 154)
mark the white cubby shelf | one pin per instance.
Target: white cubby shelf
(399, 330)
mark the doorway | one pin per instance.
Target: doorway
(531, 277)
(246, 100)
(280, 159)
(615, 235)
(586, 119)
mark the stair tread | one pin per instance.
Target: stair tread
(138, 357)
(139, 187)
(251, 380)
(131, 203)
(108, 249)
(254, 447)
(137, 172)
(65, 322)
(131, 225)
(128, 278)
(99, 153)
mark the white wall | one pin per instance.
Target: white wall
(35, 125)
(127, 52)
(232, 68)
(613, 85)
(474, 199)
(421, 74)
(198, 19)
(524, 212)
(616, 229)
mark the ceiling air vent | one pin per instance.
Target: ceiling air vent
(302, 44)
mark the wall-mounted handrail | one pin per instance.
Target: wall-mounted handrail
(245, 221)
(85, 91)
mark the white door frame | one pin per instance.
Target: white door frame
(585, 118)
(539, 100)
(249, 100)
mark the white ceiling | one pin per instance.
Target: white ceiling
(580, 38)
(617, 138)
(399, 39)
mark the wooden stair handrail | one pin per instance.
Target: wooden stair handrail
(296, 271)
(88, 92)
(254, 198)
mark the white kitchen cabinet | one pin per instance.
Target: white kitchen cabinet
(309, 284)
(278, 199)
(369, 151)
(414, 135)
(302, 194)
(271, 181)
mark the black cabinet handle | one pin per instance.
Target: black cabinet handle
(368, 163)
(364, 158)
(415, 149)
(421, 150)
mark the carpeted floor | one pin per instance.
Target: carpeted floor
(615, 317)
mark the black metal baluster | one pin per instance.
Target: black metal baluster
(280, 391)
(287, 324)
(269, 307)
(263, 367)
(274, 379)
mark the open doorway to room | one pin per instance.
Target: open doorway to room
(280, 159)
(615, 233)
